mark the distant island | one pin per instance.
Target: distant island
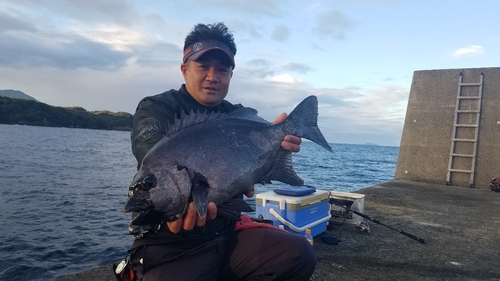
(17, 107)
(370, 143)
(15, 95)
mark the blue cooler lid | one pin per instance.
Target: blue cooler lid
(295, 190)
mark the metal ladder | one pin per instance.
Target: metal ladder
(456, 125)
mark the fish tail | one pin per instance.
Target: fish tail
(304, 119)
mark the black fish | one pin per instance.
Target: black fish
(215, 157)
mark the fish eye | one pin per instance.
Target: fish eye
(148, 182)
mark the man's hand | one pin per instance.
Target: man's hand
(192, 218)
(289, 142)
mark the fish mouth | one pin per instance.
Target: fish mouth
(135, 205)
(147, 217)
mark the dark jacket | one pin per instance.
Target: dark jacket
(151, 119)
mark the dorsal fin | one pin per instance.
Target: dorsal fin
(193, 118)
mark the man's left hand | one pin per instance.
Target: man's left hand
(289, 142)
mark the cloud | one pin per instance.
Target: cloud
(333, 24)
(346, 115)
(51, 49)
(280, 33)
(245, 26)
(249, 8)
(283, 78)
(101, 46)
(59, 51)
(13, 22)
(35, 37)
(159, 54)
(372, 115)
(117, 11)
(471, 50)
(258, 68)
(265, 69)
(297, 67)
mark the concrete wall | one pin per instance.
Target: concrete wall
(426, 141)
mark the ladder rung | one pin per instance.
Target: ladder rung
(466, 111)
(465, 125)
(469, 97)
(464, 140)
(460, 171)
(462, 155)
(469, 84)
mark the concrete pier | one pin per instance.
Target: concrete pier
(461, 226)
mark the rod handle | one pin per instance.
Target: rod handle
(423, 241)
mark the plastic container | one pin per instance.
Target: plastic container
(354, 201)
(296, 213)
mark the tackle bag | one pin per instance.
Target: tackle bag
(495, 184)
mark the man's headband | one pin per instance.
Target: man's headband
(197, 49)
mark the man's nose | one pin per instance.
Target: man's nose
(212, 75)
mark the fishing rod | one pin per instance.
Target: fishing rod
(378, 222)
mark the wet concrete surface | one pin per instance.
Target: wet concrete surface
(461, 226)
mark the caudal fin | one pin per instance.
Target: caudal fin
(304, 120)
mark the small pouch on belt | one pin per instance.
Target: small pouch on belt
(124, 271)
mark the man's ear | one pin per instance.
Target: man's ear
(184, 68)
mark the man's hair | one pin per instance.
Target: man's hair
(217, 31)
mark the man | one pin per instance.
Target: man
(208, 248)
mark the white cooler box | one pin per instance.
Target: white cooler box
(295, 213)
(354, 201)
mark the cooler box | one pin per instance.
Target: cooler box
(295, 213)
(354, 201)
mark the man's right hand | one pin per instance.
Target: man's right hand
(192, 218)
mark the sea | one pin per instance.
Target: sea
(62, 191)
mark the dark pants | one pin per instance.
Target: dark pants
(250, 254)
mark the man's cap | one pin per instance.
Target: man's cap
(196, 50)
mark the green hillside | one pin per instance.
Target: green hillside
(34, 113)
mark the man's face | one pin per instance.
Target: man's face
(207, 79)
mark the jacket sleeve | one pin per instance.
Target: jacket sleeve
(151, 120)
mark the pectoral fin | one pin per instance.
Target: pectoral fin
(283, 169)
(200, 197)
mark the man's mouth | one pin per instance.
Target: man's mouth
(211, 89)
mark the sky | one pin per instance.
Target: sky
(357, 56)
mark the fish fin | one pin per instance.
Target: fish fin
(193, 118)
(200, 197)
(283, 169)
(304, 119)
(247, 113)
(233, 207)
